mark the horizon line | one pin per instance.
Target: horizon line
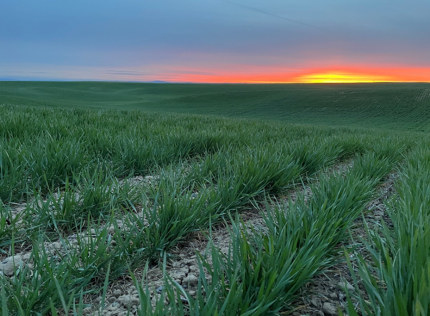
(202, 82)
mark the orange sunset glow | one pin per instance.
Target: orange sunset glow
(317, 75)
(226, 41)
(363, 76)
(343, 78)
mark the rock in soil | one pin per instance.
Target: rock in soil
(159, 289)
(9, 264)
(117, 292)
(129, 300)
(342, 285)
(315, 302)
(191, 279)
(329, 309)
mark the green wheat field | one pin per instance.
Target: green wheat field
(103, 184)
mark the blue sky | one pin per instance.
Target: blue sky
(179, 40)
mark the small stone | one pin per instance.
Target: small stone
(176, 264)
(113, 307)
(329, 309)
(315, 302)
(192, 293)
(159, 289)
(342, 285)
(111, 299)
(129, 300)
(184, 270)
(117, 292)
(9, 265)
(333, 296)
(191, 279)
(178, 275)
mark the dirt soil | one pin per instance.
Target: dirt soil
(323, 295)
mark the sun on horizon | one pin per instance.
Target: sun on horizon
(339, 77)
(351, 74)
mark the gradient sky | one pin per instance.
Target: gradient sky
(215, 40)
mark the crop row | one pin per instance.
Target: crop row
(75, 170)
(171, 212)
(223, 181)
(262, 273)
(42, 148)
(396, 274)
(155, 218)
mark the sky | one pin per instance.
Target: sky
(236, 41)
